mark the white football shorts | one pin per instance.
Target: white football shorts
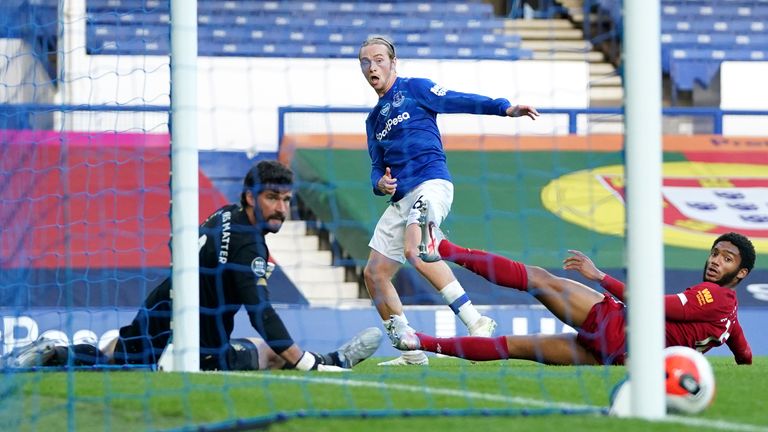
(389, 236)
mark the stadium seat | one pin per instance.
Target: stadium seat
(117, 17)
(711, 10)
(128, 5)
(464, 52)
(134, 46)
(753, 25)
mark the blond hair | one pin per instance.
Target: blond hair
(380, 40)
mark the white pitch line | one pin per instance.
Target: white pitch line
(688, 421)
(429, 390)
(714, 424)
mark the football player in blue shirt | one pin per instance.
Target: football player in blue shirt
(408, 163)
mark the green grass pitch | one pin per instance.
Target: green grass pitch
(449, 395)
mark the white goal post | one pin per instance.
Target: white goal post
(185, 323)
(645, 246)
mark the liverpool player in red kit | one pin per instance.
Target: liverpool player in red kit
(701, 317)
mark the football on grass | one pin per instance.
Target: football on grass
(690, 381)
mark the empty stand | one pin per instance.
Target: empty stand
(334, 29)
(696, 35)
(694, 42)
(306, 29)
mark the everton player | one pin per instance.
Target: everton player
(701, 317)
(409, 165)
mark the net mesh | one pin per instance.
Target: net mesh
(85, 146)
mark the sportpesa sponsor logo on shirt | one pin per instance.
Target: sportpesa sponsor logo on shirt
(392, 122)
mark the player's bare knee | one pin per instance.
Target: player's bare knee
(412, 255)
(374, 275)
(368, 274)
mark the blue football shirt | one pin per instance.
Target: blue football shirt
(403, 135)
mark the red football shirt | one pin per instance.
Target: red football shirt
(705, 316)
(701, 317)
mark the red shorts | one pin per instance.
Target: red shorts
(603, 332)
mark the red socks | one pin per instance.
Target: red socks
(467, 347)
(495, 268)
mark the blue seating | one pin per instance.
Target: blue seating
(326, 28)
(724, 3)
(449, 52)
(213, 48)
(327, 8)
(692, 47)
(127, 17)
(134, 46)
(36, 22)
(128, 5)
(468, 38)
(680, 42)
(697, 35)
(705, 25)
(123, 32)
(690, 66)
(355, 36)
(712, 11)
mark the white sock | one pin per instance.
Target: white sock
(459, 302)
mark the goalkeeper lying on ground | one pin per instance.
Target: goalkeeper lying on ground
(234, 267)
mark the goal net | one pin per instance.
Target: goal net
(86, 147)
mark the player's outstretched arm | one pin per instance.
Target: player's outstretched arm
(739, 346)
(522, 111)
(583, 264)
